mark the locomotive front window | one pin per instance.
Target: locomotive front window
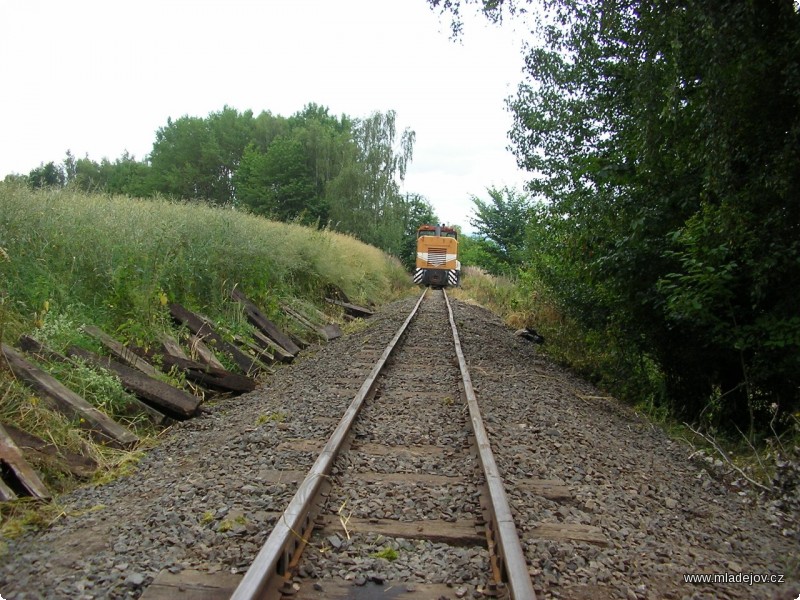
(432, 233)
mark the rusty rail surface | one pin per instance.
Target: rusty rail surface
(509, 548)
(285, 537)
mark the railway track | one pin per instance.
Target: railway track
(407, 468)
(622, 513)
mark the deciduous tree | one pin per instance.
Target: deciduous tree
(663, 140)
(502, 220)
(47, 175)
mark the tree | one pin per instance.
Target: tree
(15, 179)
(664, 142)
(69, 167)
(232, 132)
(127, 176)
(502, 221)
(266, 127)
(301, 155)
(47, 175)
(185, 160)
(196, 157)
(415, 210)
(365, 195)
(476, 251)
(328, 145)
(276, 183)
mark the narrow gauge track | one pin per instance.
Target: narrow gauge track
(384, 448)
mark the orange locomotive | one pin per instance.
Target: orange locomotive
(437, 256)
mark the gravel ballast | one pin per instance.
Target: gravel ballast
(205, 497)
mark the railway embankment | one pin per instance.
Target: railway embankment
(607, 506)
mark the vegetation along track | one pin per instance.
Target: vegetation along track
(405, 477)
(606, 504)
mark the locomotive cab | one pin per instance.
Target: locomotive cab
(437, 256)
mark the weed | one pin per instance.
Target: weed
(224, 525)
(275, 417)
(123, 466)
(98, 387)
(207, 517)
(356, 326)
(26, 514)
(57, 330)
(387, 553)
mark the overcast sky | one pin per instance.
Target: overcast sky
(99, 77)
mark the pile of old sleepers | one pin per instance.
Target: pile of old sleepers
(141, 372)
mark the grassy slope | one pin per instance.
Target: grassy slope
(115, 257)
(68, 258)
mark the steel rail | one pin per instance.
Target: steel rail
(510, 550)
(264, 568)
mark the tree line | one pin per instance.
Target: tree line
(312, 168)
(663, 212)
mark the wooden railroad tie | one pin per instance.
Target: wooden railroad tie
(352, 309)
(166, 397)
(267, 327)
(60, 459)
(202, 327)
(25, 476)
(326, 332)
(135, 406)
(63, 399)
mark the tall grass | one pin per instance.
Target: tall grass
(68, 258)
(120, 260)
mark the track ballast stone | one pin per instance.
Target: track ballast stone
(206, 497)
